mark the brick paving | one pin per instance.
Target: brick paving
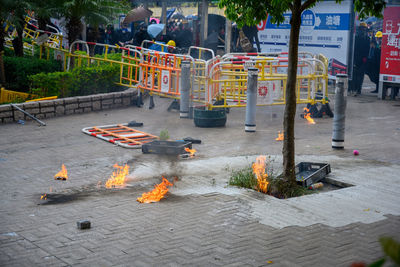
(207, 229)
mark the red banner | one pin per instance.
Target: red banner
(390, 53)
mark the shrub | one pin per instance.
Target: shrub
(17, 70)
(243, 178)
(78, 82)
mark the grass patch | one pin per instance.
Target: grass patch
(277, 187)
(243, 178)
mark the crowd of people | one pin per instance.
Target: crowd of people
(367, 57)
(178, 34)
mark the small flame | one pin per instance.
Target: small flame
(259, 171)
(307, 115)
(157, 193)
(44, 196)
(280, 136)
(118, 177)
(62, 175)
(191, 151)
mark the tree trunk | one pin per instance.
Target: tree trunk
(2, 35)
(288, 150)
(18, 43)
(74, 28)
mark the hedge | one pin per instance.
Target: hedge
(78, 82)
(17, 70)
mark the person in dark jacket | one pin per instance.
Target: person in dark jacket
(184, 37)
(251, 33)
(374, 60)
(139, 36)
(361, 51)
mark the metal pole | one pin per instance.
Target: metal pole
(204, 22)
(340, 111)
(250, 124)
(164, 16)
(228, 36)
(185, 89)
(28, 114)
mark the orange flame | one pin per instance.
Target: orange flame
(259, 171)
(44, 196)
(118, 176)
(62, 175)
(280, 136)
(307, 115)
(191, 151)
(157, 193)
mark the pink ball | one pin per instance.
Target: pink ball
(355, 152)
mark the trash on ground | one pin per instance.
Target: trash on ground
(318, 185)
(83, 224)
(308, 173)
(135, 124)
(192, 140)
(62, 175)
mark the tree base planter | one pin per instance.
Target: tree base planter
(209, 118)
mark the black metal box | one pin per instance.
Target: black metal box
(308, 173)
(166, 147)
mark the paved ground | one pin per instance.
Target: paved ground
(201, 222)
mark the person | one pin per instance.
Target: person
(361, 50)
(374, 60)
(184, 37)
(251, 33)
(139, 36)
(212, 41)
(171, 46)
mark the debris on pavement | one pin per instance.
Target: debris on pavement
(135, 124)
(83, 224)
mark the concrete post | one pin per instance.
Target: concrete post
(204, 22)
(228, 36)
(250, 124)
(340, 111)
(185, 89)
(164, 16)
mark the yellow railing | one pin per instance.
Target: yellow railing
(8, 96)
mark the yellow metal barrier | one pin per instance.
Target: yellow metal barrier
(213, 80)
(43, 98)
(8, 96)
(227, 81)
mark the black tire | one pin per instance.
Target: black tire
(209, 118)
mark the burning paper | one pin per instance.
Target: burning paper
(157, 193)
(191, 151)
(307, 116)
(259, 171)
(62, 175)
(280, 136)
(118, 177)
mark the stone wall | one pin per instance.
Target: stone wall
(67, 106)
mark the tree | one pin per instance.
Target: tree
(90, 11)
(252, 12)
(15, 11)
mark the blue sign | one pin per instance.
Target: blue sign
(319, 21)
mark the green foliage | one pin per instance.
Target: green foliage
(164, 135)
(243, 178)
(391, 248)
(80, 81)
(278, 187)
(17, 70)
(282, 188)
(52, 84)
